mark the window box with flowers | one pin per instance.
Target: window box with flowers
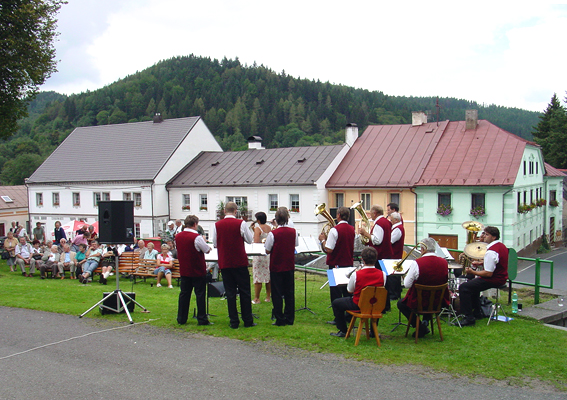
(186, 208)
(553, 203)
(541, 202)
(203, 208)
(294, 209)
(523, 208)
(444, 210)
(478, 211)
(273, 209)
(532, 205)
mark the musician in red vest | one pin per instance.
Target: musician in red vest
(191, 250)
(379, 236)
(494, 274)
(397, 237)
(367, 276)
(430, 270)
(280, 245)
(229, 235)
(339, 247)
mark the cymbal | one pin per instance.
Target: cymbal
(472, 226)
(475, 250)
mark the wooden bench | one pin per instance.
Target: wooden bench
(128, 263)
(145, 269)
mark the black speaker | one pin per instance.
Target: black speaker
(351, 219)
(111, 303)
(116, 222)
(215, 289)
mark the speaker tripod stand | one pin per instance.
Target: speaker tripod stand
(120, 296)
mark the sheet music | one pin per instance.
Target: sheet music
(338, 276)
(387, 266)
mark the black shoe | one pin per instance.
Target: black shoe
(338, 334)
(24, 274)
(332, 322)
(102, 280)
(423, 330)
(251, 325)
(234, 326)
(81, 279)
(42, 277)
(205, 323)
(279, 323)
(468, 322)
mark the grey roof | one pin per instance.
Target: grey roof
(263, 167)
(18, 195)
(134, 151)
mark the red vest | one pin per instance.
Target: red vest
(500, 274)
(191, 262)
(384, 249)
(398, 247)
(342, 254)
(282, 256)
(367, 277)
(433, 271)
(230, 244)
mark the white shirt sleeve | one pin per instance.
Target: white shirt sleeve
(377, 235)
(396, 235)
(201, 245)
(214, 234)
(412, 275)
(351, 283)
(246, 232)
(332, 239)
(269, 244)
(490, 260)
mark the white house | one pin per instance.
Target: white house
(131, 161)
(261, 179)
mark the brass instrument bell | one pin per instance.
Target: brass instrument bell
(321, 209)
(365, 220)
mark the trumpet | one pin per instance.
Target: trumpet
(398, 266)
(355, 270)
(365, 221)
(322, 210)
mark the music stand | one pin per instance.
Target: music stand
(305, 292)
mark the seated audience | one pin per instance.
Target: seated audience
(94, 253)
(81, 257)
(150, 253)
(49, 263)
(23, 252)
(10, 244)
(165, 262)
(67, 260)
(108, 262)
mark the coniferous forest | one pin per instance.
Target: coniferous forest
(236, 101)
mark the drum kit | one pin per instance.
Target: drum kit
(473, 251)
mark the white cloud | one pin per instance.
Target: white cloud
(504, 55)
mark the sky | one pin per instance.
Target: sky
(506, 53)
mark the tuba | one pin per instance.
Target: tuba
(322, 210)
(365, 223)
(471, 252)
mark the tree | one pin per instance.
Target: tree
(551, 133)
(15, 171)
(27, 33)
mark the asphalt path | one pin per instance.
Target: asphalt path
(526, 269)
(53, 356)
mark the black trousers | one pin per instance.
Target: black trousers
(283, 289)
(337, 292)
(187, 285)
(469, 293)
(340, 306)
(404, 309)
(238, 280)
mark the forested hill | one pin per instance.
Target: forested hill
(236, 101)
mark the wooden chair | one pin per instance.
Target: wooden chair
(372, 302)
(435, 303)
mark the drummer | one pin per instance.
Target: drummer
(494, 274)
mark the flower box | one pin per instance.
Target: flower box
(478, 211)
(444, 210)
(296, 209)
(553, 203)
(186, 208)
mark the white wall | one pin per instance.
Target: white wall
(258, 200)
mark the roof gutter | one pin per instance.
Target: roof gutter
(503, 199)
(415, 213)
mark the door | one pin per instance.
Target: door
(448, 241)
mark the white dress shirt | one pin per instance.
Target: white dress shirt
(269, 244)
(396, 233)
(491, 257)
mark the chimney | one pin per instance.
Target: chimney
(471, 119)
(351, 134)
(418, 118)
(255, 142)
(157, 118)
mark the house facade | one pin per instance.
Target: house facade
(13, 208)
(257, 180)
(131, 161)
(486, 174)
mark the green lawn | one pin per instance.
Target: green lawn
(519, 351)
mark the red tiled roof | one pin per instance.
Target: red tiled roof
(18, 195)
(552, 171)
(485, 156)
(388, 156)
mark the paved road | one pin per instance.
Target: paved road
(526, 269)
(53, 356)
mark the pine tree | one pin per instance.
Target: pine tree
(551, 133)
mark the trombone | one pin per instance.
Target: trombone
(398, 265)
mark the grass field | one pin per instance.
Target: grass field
(520, 352)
